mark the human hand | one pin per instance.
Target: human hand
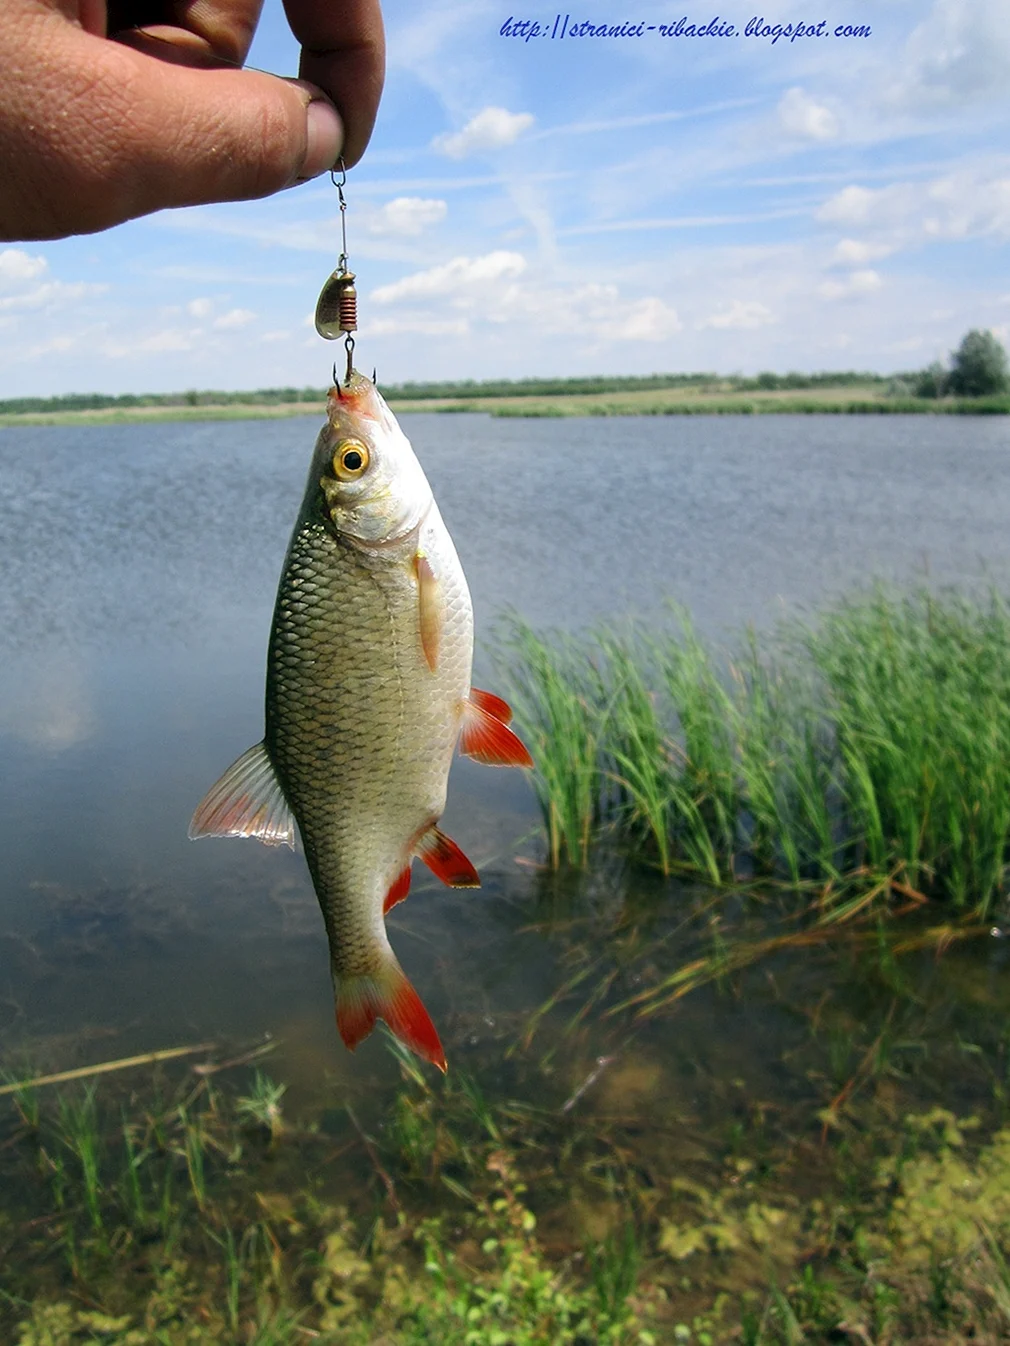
(111, 109)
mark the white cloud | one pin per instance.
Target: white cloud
(959, 53)
(172, 339)
(852, 205)
(279, 334)
(801, 116)
(52, 292)
(56, 345)
(648, 319)
(854, 252)
(199, 308)
(603, 310)
(858, 283)
(16, 265)
(406, 216)
(419, 324)
(970, 202)
(234, 318)
(742, 314)
(169, 339)
(491, 129)
(452, 277)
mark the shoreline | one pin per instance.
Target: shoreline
(672, 402)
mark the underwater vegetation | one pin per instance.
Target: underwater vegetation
(181, 1213)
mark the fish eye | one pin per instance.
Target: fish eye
(350, 460)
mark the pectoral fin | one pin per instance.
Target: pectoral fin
(431, 609)
(246, 802)
(488, 739)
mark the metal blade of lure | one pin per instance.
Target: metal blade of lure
(337, 305)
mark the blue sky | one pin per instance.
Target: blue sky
(577, 206)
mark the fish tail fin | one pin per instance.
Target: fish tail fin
(386, 995)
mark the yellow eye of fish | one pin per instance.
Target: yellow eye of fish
(350, 460)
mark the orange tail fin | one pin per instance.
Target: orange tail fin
(388, 995)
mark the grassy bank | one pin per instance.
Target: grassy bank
(866, 755)
(749, 404)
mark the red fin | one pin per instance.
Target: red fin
(389, 996)
(398, 890)
(488, 740)
(446, 861)
(494, 705)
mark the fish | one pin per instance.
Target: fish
(368, 693)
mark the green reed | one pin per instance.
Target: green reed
(559, 697)
(873, 743)
(919, 699)
(80, 1133)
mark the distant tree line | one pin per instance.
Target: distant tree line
(209, 398)
(461, 388)
(978, 368)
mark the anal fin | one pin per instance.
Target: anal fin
(445, 860)
(246, 802)
(398, 889)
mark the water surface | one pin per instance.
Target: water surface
(139, 565)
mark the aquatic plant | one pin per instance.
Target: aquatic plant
(263, 1104)
(559, 698)
(873, 745)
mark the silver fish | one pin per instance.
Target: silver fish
(368, 691)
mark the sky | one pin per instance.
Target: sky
(636, 203)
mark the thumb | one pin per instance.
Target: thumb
(123, 134)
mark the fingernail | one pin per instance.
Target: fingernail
(324, 139)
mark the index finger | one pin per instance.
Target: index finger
(344, 54)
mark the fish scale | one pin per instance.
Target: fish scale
(368, 691)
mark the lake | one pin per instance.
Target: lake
(139, 567)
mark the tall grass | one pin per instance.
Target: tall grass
(874, 743)
(559, 692)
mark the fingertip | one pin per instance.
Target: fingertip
(324, 138)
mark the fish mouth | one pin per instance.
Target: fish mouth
(357, 397)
